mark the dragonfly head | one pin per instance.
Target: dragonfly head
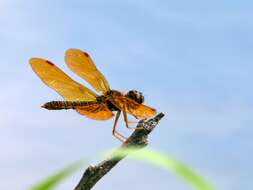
(136, 96)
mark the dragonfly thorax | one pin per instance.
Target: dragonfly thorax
(132, 94)
(113, 93)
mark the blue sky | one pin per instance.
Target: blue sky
(191, 59)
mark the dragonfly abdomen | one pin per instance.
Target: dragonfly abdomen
(59, 105)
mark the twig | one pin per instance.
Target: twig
(138, 139)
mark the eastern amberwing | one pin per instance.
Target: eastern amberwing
(82, 99)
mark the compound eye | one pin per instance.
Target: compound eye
(136, 96)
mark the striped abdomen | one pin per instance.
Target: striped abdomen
(59, 105)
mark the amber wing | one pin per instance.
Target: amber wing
(81, 63)
(130, 106)
(56, 79)
(95, 111)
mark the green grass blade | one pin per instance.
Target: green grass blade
(146, 155)
(52, 181)
(169, 163)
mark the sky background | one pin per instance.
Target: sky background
(191, 59)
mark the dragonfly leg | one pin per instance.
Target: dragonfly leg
(127, 122)
(116, 133)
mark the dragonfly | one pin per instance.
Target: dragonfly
(76, 96)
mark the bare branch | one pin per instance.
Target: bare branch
(138, 139)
